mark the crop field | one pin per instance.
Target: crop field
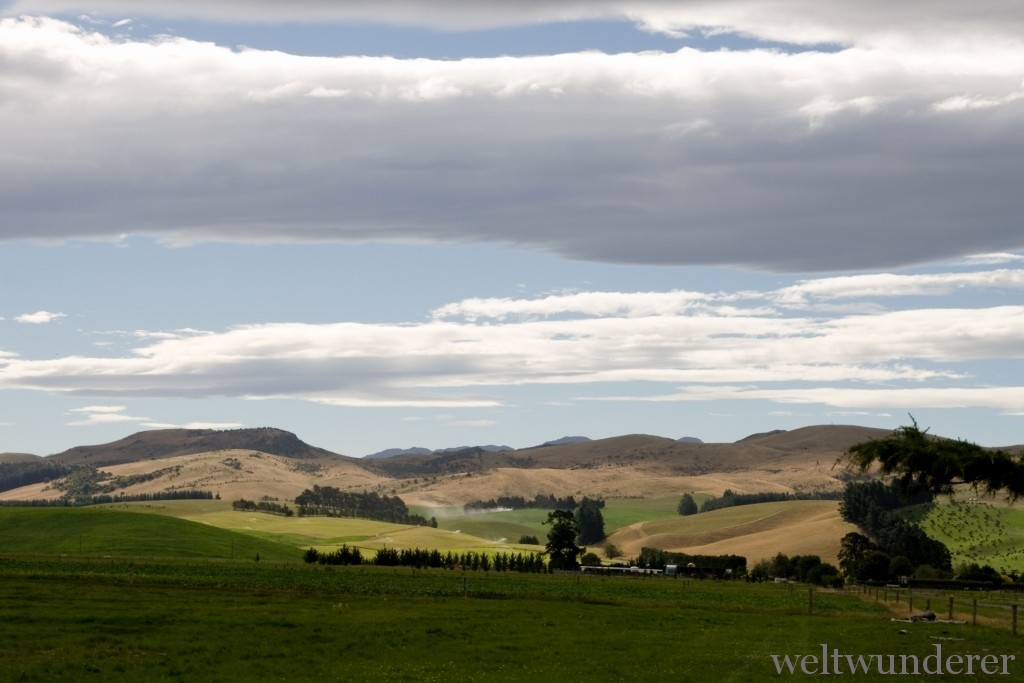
(977, 531)
(811, 527)
(118, 620)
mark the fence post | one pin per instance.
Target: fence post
(810, 602)
(1014, 607)
(974, 613)
(951, 608)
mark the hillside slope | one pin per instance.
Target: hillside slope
(812, 527)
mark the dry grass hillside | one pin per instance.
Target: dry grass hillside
(641, 466)
(232, 473)
(811, 527)
(632, 466)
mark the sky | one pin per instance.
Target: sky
(452, 223)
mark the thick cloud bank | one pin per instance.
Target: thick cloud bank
(880, 154)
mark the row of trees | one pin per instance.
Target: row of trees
(106, 499)
(262, 506)
(329, 501)
(540, 502)
(718, 565)
(14, 475)
(804, 568)
(407, 557)
(731, 499)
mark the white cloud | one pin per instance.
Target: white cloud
(39, 317)
(889, 285)
(102, 415)
(1008, 399)
(193, 425)
(805, 161)
(478, 349)
(993, 259)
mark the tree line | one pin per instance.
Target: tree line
(329, 501)
(873, 506)
(803, 568)
(415, 557)
(688, 506)
(655, 558)
(14, 475)
(539, 501)
(262, 506)
(106, 499)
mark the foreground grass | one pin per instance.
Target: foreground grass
(114, 620)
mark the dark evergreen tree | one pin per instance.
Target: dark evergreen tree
(589, 521)
(561, 548)
(687, 505)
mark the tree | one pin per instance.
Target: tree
(852, 550)
(589, 521)
(939, 465)
(561, 548)
(687, 505)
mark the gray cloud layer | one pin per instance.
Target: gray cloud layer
(867, 157)
(798, 21)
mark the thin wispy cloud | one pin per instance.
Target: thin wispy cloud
(90, 416)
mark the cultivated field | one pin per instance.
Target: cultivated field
(811, 527)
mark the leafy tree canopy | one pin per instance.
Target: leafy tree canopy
(561, 548)
(939, 465)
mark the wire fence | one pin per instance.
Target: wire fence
(996, 608)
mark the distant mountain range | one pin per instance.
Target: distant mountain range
(393, 452)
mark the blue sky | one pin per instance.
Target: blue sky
(455, 223)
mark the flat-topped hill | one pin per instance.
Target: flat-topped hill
(168, 443)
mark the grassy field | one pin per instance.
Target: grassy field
(983, 532)
(160, 621)
(117, 533)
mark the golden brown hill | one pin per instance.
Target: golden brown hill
(232, 474)
(636, 465)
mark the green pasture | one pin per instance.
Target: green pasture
(984, 532)
(116, 620)
(105, 532)
(622, 512)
